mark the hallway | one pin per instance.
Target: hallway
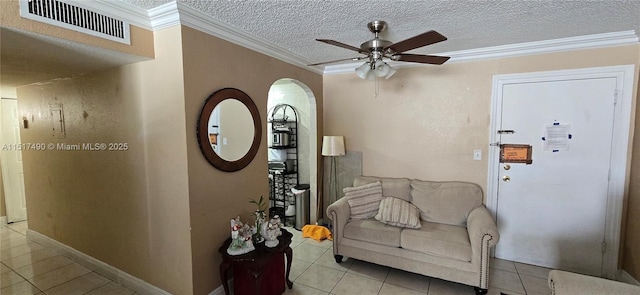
(30, 268)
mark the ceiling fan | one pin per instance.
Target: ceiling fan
(377, 50)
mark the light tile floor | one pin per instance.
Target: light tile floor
(30, 268)
(314, 271)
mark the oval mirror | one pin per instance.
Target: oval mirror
(229, 129)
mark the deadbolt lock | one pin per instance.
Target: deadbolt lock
(507, 167)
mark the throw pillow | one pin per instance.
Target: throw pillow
(364, 200)
(391, 187)
(398, 212)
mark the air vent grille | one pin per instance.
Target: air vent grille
(74, 17)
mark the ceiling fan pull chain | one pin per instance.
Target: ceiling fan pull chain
(377, 88)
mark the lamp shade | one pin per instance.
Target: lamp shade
(384, 70)
(365, 72)
(333, 146)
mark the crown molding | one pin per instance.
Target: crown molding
(548, 46)
(520, 49)
(164, 16)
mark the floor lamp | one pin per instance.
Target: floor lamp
(332, 146)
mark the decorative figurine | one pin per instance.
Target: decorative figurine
(241, 241)
(271, 230)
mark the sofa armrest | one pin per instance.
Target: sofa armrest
(562, 282)
(483, 234)
(339, 213)
(480, 224)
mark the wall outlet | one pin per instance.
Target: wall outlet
(477, 155)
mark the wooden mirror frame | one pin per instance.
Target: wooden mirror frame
(202, 132)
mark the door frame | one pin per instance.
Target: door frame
(12, 198)
(620, 146)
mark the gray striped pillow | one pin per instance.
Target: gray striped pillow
(398, 212)
(364, 200)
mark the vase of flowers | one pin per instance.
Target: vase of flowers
(260, 215)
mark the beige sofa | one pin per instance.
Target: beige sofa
(453, 242)
(567, 283)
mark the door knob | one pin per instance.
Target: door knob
(506, 178)
(507, 167)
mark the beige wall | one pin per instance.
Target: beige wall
(161, 95)
(217, 196)
(427, 121)
(3, 210)
(129, 208)
(141, 39)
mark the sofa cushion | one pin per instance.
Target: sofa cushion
(364, 200)
(445, 202)
(373, 231)
(438, 239)
(398, 212)
(391, 187)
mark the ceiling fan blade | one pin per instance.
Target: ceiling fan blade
(424, 59)
(340, 44)
(423, 39)
(338, 60)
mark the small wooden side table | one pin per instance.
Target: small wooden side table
(260, 271)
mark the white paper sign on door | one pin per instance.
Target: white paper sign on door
(557, 137)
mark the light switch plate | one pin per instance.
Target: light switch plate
(477, 155)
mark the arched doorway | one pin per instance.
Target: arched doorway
(301, 98)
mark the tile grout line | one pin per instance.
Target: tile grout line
(44, 292)
(520, 278)
(338, 282)
(13, 270)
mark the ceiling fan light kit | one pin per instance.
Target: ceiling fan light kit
(377, 50)
(379, 69)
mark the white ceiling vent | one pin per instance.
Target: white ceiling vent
(74, 17)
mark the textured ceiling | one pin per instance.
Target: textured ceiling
(294, 25)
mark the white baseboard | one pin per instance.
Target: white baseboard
(218, 291)
(135, 284)
(627, 278)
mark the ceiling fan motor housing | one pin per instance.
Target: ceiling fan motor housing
(375, 47)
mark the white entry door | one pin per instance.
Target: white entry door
(553, 212)
(12, 172)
